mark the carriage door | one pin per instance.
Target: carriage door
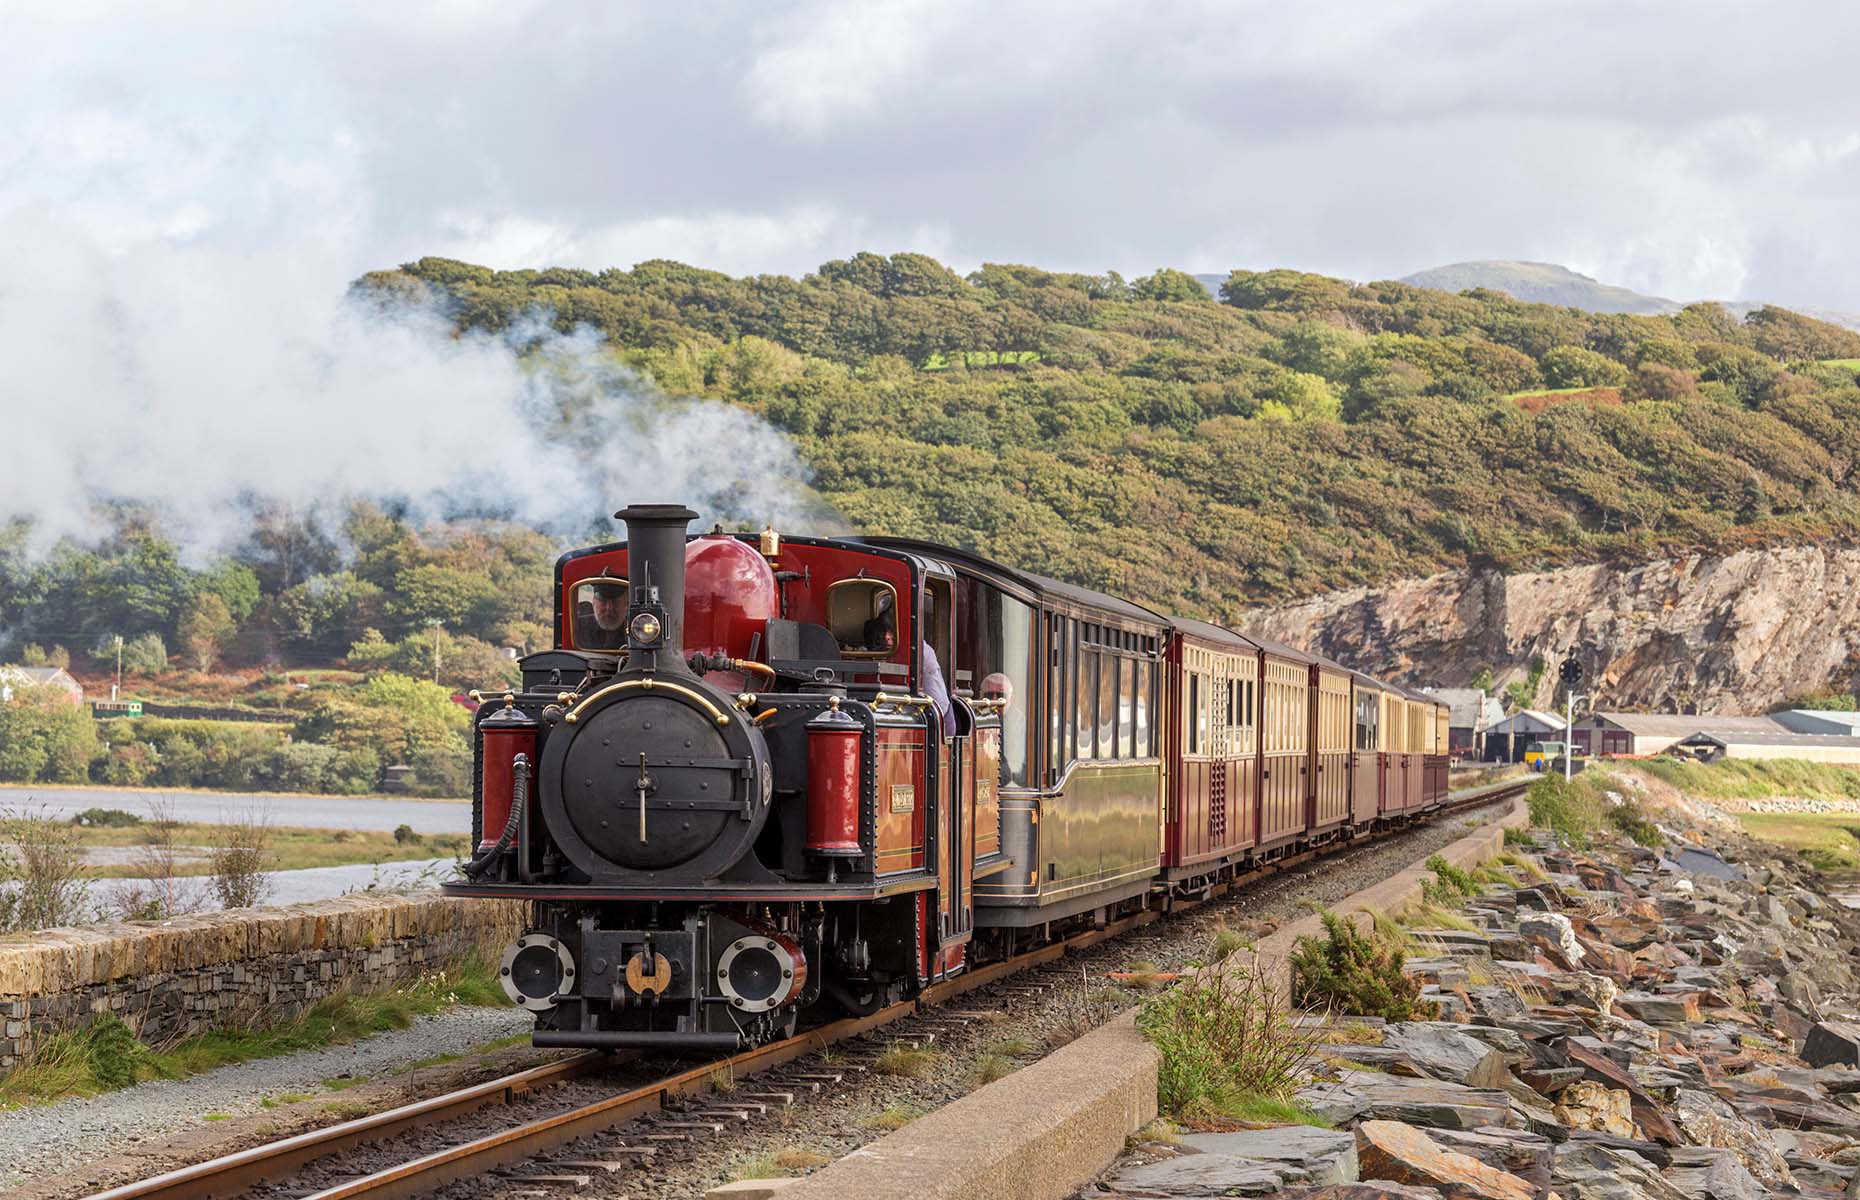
(955, 769)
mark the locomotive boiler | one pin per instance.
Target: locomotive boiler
(759, 776)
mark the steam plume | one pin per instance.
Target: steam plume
(194, 380)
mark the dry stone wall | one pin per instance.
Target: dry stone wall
(173, 978)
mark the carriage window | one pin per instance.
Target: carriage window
(863, 615)
(1107, 704)
(1194, 703)
(994, 649)
(1088, 702)
(1146, 674)
(1058, 743)
(1127, 674)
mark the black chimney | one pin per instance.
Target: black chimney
(655, 558)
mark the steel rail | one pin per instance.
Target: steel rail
(229, 1175)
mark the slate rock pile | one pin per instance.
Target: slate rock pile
(1642, 1025)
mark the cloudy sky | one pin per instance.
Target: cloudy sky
(1690, 149)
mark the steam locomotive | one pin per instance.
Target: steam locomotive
(760, 776)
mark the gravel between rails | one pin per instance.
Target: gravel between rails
(45, 1140)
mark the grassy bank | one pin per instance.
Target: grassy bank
(1756, 779)
(107, 1055)
(120, 852)
(1831, 841)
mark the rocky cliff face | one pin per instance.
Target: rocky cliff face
(1731, 634)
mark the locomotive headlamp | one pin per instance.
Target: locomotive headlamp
(645, 629)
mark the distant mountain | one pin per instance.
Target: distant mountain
(1547, 283)
(1541, 283)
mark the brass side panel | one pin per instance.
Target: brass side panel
(903, 800)
(1103, 829)
(987, 792)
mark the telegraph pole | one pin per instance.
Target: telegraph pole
(118, 685)
(436, 627)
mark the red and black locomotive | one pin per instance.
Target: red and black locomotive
(758, 776)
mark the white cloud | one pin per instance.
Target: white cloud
(832, 63)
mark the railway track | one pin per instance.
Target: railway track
(674, 1100)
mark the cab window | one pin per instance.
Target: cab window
(600, 614)
(863, 616)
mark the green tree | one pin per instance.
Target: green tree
(1575, 367)
(44, 738)
(145, 654)
(1169, 286)
(205, 628)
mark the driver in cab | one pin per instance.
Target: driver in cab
(600, 623)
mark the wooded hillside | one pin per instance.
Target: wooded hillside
(1298, 434)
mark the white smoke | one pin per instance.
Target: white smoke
(198, 381)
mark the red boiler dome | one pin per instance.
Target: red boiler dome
(730, 596)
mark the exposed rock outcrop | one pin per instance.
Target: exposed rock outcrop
(1729, 634)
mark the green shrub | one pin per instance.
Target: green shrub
(1451, 877)
(1631, 820)
(1570, 808)
(1518, 837)
(1361, 976)
(1226, 1040)
(107, 818)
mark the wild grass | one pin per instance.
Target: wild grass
(1347, 971)
(892, 1117)
(239, 859)
(789, 1160)
(1518, 837)
(989, 1067)
(1524, 865)
(106, 1055)
(1227, 1041)
(1225, 943)
(1423, 914)
(1353, 1033)
(910, 1062)
(41, 882)
(1089, 1008)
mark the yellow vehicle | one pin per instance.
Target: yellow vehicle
(1539, 755)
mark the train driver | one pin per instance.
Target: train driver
(881, 630)
(603, 625)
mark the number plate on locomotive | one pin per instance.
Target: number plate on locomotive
(903, 798)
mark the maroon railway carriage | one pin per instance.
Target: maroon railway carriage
(756, 776)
